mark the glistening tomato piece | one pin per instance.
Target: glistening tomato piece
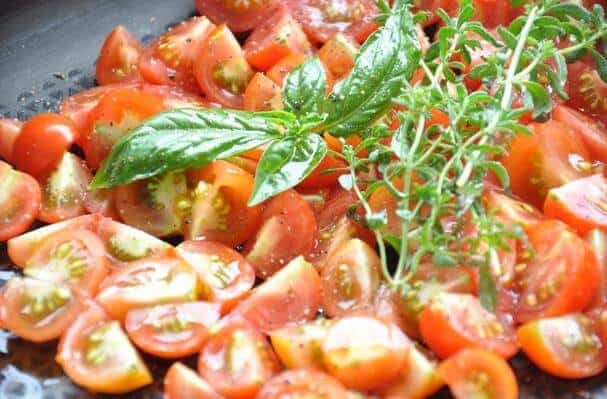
(302, 384)
(566, 347)
(237, 361)
(338, 55)
(321, 176)
(478, 373)
(96, 353)
(592, 131)
(300, 347)
(20, 199)
(181, 382)
(262, 94)
(9, 130)
(587, 91)
(597, 242)
(511, 210)
(240, 16)
(171, 331)
(281, 69)
(118, 57)
(43, 140)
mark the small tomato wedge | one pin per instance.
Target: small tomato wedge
(592, 131)
(181, 382)
(512, 210)
(20, 199)
(262, 94)
(338, 55)
(240, 16)
(118, 57)
(300, 347)
(281, 69)
(9, 130)
(296, 384)
(597, 242)
(587, 90)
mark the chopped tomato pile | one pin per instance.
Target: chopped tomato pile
(287, 298)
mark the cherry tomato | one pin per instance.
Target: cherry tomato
(567, 346)
(237, 361)
(512, 210)
(118, 58)
(278, 37)
(169, 60)
(323, 19)
(300, 347)
(147, 282)
(240, 16)
(587, 91)
(365, 353)
(478, 373)
(20, 199)
(291, 296)
(560, 277)
(319, 178)
(100, 202)
(43, 139)
(181, 382)
(262, 94)
(220, 210)
(287, 230)
(338, 55)
(38, 310)
(226, 276)
(95, 353)
(281, 69)
(9, 130)
(591, 131)
(302, 384)
(597, 241)
(171, 331)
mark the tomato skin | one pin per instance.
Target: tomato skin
(9, 130)
(318, 179)
(118, 57)
(239, 16)
(302, 383)
(338, 55)
(41, 144)
(262, 94)
(300, 347)
(478, 373)
(586, 90)
(591, 131)
(281, 69)
(512, 210)
(597, 242)
(20, 199)
(181, 382)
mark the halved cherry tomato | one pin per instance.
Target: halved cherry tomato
(302, 384)
(478, 373)
(319, 178)
(300, 347)
(240, 16)
(221, 69)
(276, 38)
(38, 310)
(74, 257)
(587, 91)
(365, 353)
(117, 113)
(20, 199)
(452, 322)
(118, 58)
(237, 361)
(552, 156)
(220, 210)
(338, 55)
(582, 204)
(43, 139)
(560, 277)
(567, 346)
(350, 278)
(169, 60)
(226, 276)
(291, 296)
(96, 354)
(323, 19)
(171, 331)
(262, 94)
(181, 382)
(9, 130)
(147, 282)
(288, 230)
(281, 69)
(512, 210)
(597, 242)
(592, 131)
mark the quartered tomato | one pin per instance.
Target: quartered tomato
(419, 379)
(117, 113)
(319, 177)
(338, 55)
(222, 70)
(291, 296)
(73, 257)
(38, 310)
(288, 230)
(65, 189)
(181, 382)
(147, 282)
(365, 353)
(560, 277)
(281, 69)
(9, 130)
(219, 210)
(118, 58)
(169, 60)
(171, 331)
(350, 278)
(96, 353)
(20, 199)
(512, 210)
(302, 384)
(323, 19)
(300, 347)
(478, 373)
(590, 130)
(277, 37)
(237, 361)
(262, 94)
(567, 346)
(226, 276)
(43, 139)
(597, 242)
(587, 91)
(240, 16)
(452, 322)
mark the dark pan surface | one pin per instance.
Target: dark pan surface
(47, 52)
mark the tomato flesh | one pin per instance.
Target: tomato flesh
(181, 382)
(300, 347)
(302, 384)
(240, 16)
(9, 130)
(262, 94)
(419, 379)
(20, 199)
(118, 57)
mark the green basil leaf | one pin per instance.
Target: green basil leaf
(386, 60)
(186, 138)
(542, 104)
(285, 163)
(487, 291)
(305, 88)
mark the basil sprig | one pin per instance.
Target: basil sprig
(185, 138)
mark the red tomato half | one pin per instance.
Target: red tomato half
(181, 382)
(419, 378)
(597, 242)
(338, 55)
(240, 16)
(262, 94)
(302, 384)
(20, 199)
(512, 210)
(9, 130)
(300, 347)
(587, 92)
(592, 131)
(118, 58)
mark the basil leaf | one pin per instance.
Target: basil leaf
(186, 138)
(285, 163)
(386, 60)
(305, 88)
